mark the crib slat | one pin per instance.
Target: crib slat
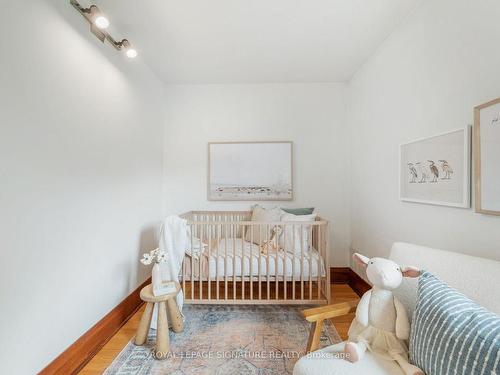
(251, 262)
(192, 263)
(260, 261)
(293, 271)
(217, 260)
(276, 264)
(322, 262)
(200, 279)
(284, 262)
(225, 261)
(319, 268)
(267, 264)
(309, 253)
(301, 237)
(209, 280)
(233, 227)
(242, 233)
(184, 274)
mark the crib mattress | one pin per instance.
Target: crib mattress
(218, 260)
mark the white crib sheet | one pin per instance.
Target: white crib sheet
(287, 264)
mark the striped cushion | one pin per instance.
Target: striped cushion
(452, 334)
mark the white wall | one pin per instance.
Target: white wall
(81, 148)
(310, 115)
(80, 172)
(425, 79)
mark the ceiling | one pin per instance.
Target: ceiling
(254, 41)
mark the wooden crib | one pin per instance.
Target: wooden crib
(232, 260)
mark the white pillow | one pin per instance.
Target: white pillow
(261, 214)
(290, 230)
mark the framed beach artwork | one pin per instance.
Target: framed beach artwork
(436, 170)
(487, 157)
(251, 171)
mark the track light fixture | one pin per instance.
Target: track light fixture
(98, 25)
(129, 51)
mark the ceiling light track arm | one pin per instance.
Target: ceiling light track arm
(83, 11)
(90, 13)
(124, 43)
(98, 24)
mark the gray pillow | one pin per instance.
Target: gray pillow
(452, 334)
(298, 211)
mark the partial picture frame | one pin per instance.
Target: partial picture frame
(250, 171)
(436, 170)
(487, 157)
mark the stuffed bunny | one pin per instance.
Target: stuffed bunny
(381, 324)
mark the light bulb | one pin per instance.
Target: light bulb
(101, 22)
(131, 53)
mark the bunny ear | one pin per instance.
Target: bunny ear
(360, 259)
(410, 271)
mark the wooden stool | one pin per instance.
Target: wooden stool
(167, 300)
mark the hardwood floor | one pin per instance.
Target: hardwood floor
(343, 293)
(340, 293)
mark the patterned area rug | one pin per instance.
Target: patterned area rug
(227, 340)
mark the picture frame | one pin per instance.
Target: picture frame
(250, 171)
(487, 157)
(436, 170)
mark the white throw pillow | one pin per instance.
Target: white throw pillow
(291, 236)
(261, 214)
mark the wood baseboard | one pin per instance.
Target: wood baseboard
(340, 275)
(82, 350)
(345, 275)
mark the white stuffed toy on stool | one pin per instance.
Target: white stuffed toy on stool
(381, 324)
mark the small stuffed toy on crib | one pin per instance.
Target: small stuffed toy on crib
(271, 245)
(381, 324)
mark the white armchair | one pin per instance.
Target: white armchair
(473, 276)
